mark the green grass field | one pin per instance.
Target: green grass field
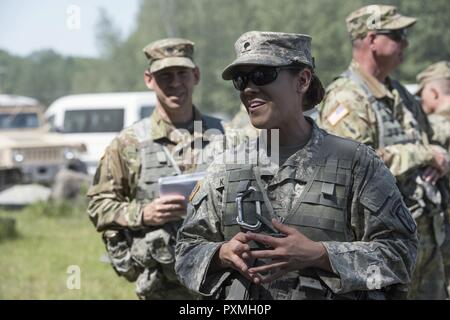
(51, 238)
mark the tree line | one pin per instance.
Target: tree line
(214, 26)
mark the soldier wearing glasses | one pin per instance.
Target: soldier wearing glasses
(366, 105)
(322, 219)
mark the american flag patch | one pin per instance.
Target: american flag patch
(337, 115)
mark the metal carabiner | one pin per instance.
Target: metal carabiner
(240, 216)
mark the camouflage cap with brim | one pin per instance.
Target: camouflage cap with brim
(276, 49)
(438, 70)
(170, 52)
(270, 49)
(376, 17)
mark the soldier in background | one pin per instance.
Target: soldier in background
(326, 220)
(434, 91)
(139, 226)
(366, 105)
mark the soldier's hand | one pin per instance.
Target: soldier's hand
(431, 175)
(164, 209)
(440, 160)
(234, 254)
(293, 252)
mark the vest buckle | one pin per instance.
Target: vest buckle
(240, 217)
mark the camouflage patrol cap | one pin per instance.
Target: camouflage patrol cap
(170, 52)
(276, 49)
(376, 17)
(439, 70)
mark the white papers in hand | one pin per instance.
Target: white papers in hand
(182, 184)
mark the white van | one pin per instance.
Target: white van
(95, 119)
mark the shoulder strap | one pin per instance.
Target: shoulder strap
(340, 147)
(414, 107)
(142, 129)
(172, 160)
(374, 103)
(407, 98)
(349, 74)
(213, 123)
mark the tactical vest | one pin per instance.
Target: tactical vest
(419, 196)
(321, 214)
(146, 255)
(156, 162)
(390, 131)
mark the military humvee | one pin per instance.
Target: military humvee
(29, 153)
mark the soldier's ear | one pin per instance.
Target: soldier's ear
(304, 80)
(196, 74)
(370, 39)
(434, 93)
(148, 79)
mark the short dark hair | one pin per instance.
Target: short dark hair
(309, 95)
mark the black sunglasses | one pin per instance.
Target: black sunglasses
(260, 76)
(396, 35)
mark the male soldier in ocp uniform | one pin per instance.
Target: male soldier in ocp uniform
(139, 226)
(366, 105)
(434, 91)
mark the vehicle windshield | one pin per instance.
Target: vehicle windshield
(92, 120)
(25, 120)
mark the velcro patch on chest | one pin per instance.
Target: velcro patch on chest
(338, 114)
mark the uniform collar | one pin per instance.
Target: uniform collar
(161, 129)
(378, 89)
(300, 165)
(444, 111)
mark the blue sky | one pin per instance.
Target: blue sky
(29, 25)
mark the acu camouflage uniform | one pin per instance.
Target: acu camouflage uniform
(332, 190)
(440, 122)
(349, 202)
(387, 118)
(127, 180)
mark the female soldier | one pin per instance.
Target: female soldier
(323, 221)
